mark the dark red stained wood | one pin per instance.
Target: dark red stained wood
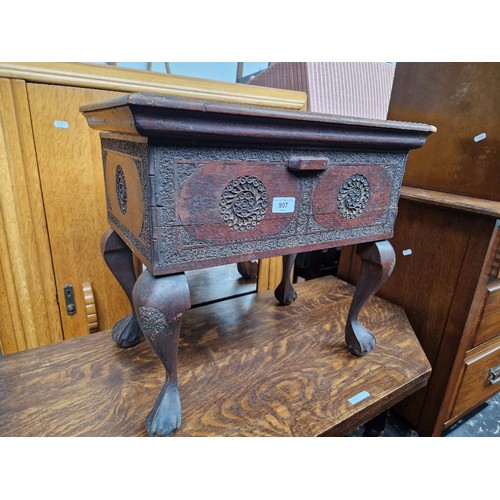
(224, 132)
(377, 264)
(247, 367)
(324, 204)
(158, 305)
(198, 205)
(162, 116)
(205, 210)
(308, 164)
(119, 258)
(255, 255)
(285, 293)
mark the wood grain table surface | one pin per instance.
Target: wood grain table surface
(247, 367)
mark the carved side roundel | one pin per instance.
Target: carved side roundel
(244, 203)
(353, 196)
(121, 189)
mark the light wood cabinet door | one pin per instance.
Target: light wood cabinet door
(71, 175)
(29, 314)
(52, 201)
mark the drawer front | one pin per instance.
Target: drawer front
(209, 206)
(481, 377)
(218, 206)
(227, 202)
(490, 320)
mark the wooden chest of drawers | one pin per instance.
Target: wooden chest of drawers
(447, 280)
(191, 184)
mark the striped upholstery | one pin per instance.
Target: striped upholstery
(361, 89)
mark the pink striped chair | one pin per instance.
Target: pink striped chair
(360, 89)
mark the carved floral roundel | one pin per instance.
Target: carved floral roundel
(353, 196)
(244, 203)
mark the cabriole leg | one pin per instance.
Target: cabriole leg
(377, 262)
(119, 258)
(285, 293)
(159, 303)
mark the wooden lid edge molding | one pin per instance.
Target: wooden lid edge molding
(159, 116)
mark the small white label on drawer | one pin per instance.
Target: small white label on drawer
(359, 397)
(407, 252)
(283, 205)
(61, 124)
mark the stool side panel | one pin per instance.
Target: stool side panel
(128, 194)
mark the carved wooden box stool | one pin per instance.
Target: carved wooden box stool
(192, 184)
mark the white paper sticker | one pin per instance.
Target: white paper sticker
(61, 124)
(283, 205)
(359, 397)
(480, 137)
(407, 252)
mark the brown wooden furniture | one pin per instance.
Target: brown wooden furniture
(448, 218)
(191, 184)
(52, 199)
(247, 367)
(447, 280)
(462, 100)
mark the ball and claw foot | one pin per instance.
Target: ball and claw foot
(359, 340)
(127, 332)
(377, 263)
(165, 417)
(285, 293)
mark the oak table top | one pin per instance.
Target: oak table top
(247, 367)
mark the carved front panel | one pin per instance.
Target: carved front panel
(220, 205)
